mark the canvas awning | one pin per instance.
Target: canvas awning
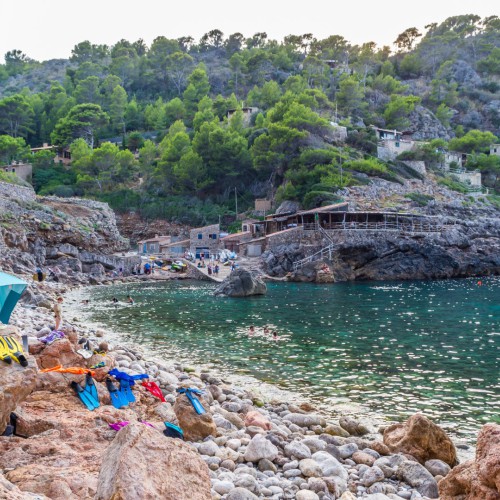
(11, 289)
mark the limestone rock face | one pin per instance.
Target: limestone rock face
(424, 125)
(141, 463)
(480, 478)
(196, 427)
(16, 384)
(11, 492)
(242, 283)
(422, 439)
(488, 456)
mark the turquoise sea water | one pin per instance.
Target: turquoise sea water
(393, 347)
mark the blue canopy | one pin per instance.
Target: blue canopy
(11, 289)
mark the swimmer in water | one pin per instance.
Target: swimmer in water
(275, 335)
(251, 330)
(130, 300)
(266, 330)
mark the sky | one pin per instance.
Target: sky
(50, 29)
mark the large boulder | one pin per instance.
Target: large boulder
(477, 479)
(422, 439)
(196, 427)
(242, 283)
(142, 463)
(16, 384)
(9, 491)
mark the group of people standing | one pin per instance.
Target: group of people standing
(213, 269)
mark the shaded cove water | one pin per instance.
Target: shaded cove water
(394, 348)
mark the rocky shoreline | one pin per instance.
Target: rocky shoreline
(244, 447)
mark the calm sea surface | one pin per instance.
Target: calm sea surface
(393, 348)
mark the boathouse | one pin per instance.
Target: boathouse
(304, 218)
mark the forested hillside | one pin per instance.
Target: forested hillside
(167, 130)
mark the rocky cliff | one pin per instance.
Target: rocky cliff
(70, 236)
(468, 246)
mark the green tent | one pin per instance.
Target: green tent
(11, 289)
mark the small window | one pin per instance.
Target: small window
(397, 144)
(200, 236)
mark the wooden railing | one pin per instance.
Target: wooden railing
(406, 227)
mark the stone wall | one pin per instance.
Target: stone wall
(296, 235)
(472, 178)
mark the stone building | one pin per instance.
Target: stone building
(205, 241)
(392, 143)
(495, 149)
(23, 170)
(454, 159)
(153, 245)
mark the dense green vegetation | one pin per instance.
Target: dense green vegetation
(181, 139)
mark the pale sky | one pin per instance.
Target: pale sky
(49, 29)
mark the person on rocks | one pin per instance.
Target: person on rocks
(58, 312)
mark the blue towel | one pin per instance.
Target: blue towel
(125, 376)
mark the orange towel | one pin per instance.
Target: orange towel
(75, 370)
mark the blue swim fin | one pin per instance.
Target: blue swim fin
(117, 399)
(84, 396)
(190, 394)
(125, 391)
(91, 389)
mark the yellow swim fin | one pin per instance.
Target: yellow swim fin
(5, 354)
(15, 350)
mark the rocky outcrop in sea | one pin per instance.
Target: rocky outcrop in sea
(242, 283)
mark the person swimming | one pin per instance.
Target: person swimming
(130, 300)
(251, 330)
(275, 335)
